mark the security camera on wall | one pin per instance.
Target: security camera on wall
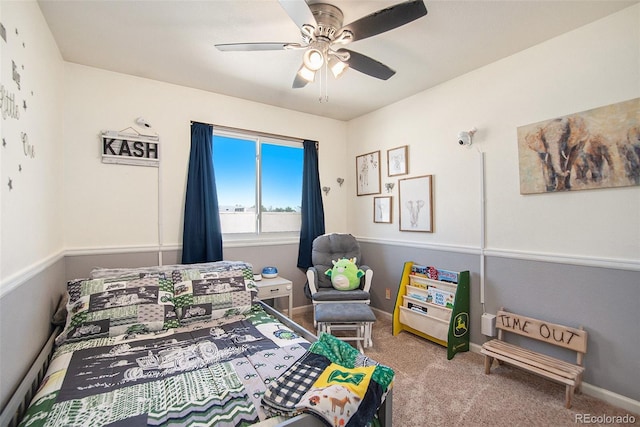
(464, 138)
(142, 122)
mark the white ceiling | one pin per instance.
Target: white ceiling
(173, 41)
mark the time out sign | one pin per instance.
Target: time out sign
(129, 149)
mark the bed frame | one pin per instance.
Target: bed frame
(21, 398)
(17, 406)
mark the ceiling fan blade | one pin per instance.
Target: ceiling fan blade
(386, 19)
(257, 46)
(299, 82)
(299, 12)
(367, 65)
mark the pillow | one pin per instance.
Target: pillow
(212, 294)
(101, 272)
(59, 318)
(345, 274)
(329, 247)
(118, 306)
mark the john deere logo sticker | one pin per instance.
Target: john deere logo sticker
(461, 324)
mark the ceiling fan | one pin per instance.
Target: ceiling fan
(324, 35)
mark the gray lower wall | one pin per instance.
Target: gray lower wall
(605, 301)
(25, 324)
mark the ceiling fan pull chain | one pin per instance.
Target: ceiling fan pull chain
(324, 95)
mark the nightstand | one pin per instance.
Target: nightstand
(277, 287)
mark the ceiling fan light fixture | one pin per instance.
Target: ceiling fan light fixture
(337, 67)
(313, 59)
(306, 73)
(345, 37)
(324, 35)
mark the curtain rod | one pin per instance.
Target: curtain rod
(255, 133)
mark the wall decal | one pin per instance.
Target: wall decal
(598, 148)
(8, 103)
(14, 106)
(29, 150)
(16, 75)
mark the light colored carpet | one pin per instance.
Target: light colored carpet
(430, 390)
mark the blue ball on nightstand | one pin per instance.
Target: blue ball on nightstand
(269, 272)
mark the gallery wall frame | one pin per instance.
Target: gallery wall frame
(415, 203)
(382, 209)
(368, 173)
(593, 149)
(397, 161)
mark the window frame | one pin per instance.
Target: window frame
(259, 139)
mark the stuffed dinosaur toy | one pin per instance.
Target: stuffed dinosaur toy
(345, 274)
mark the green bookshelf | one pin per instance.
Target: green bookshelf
(434, 304)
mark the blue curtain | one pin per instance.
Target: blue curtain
(202, 236)
(312, 209)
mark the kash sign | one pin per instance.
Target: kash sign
(128, 149)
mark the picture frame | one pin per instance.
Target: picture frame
(382, 212)
(592, 149)
(397, 161)
(368, 173)
(415, 204)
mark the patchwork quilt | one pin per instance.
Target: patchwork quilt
(210, 373)
(332, 381)
(187, 346)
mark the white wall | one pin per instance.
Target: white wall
(31, 212)
(65, 199)
(116, 205)
(31, 241)
(572, 258)
(593, 66)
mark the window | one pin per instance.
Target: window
(253, 171)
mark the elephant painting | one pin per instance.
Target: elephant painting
(630, 152)
(592, 160)
(593, 149)
(558, 144)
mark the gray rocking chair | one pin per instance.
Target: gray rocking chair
(328, 248)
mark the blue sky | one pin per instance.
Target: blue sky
(234, 166)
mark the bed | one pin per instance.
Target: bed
(189, 345)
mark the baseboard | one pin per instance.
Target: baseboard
(610, 397)
(384, 314)
(302, 309)
(588, 389)
(613, 398)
